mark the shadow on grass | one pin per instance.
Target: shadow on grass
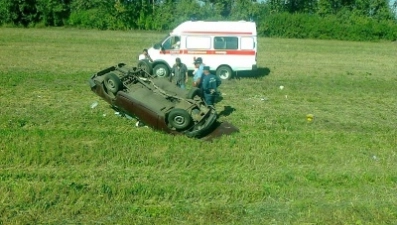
(218, 97)
(260, 72)
(227, 110)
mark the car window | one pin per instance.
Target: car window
(172, 42)
(198, 42)
(225, 42)
(247, 43)
(167, 43)
(176, 42)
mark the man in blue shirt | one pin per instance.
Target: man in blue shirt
(210, 85)
(198, 74)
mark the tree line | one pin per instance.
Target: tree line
(322, 19)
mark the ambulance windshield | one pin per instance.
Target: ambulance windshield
(160, 44)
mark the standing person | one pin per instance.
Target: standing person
(179, 74)
(210, 85)
(145, 55)
(198, 74)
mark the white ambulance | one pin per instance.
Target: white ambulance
(225, 46)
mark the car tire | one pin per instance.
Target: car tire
(179, 119)
(193, 92)
(145, 65)
(224, 72)
(112, 83)
(161, 70)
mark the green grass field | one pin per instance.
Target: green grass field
(62, 162)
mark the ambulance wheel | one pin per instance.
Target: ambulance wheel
(145, 65)
(161, 70)
(224, 72)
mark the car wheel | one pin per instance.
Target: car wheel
(179, 118)
(224, 72)
(161, 70)
(193, 92)
(145, 65)
(112, 83)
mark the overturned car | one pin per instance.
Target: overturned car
(155, 101)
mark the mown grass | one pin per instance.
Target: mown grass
(62, 162)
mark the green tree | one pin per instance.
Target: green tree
(53, 12)
(376, 9)
(245, 10)
(6, 14)
(380, 10)
(19, 12)
(224, 6)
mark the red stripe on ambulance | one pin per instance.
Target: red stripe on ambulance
(217, 32)
(210, 52)
(220, 52)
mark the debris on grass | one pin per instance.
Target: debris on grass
(140, 124)
(94, 104)
(309, 117)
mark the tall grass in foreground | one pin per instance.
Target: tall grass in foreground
(62, 162)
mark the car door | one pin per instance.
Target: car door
(171, 49)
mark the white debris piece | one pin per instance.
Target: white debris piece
(94, 104)
(140, 124)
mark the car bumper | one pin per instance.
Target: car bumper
(91, 83)
(205, 128)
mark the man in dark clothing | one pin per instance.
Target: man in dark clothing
(179, 74)
(210, 85)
